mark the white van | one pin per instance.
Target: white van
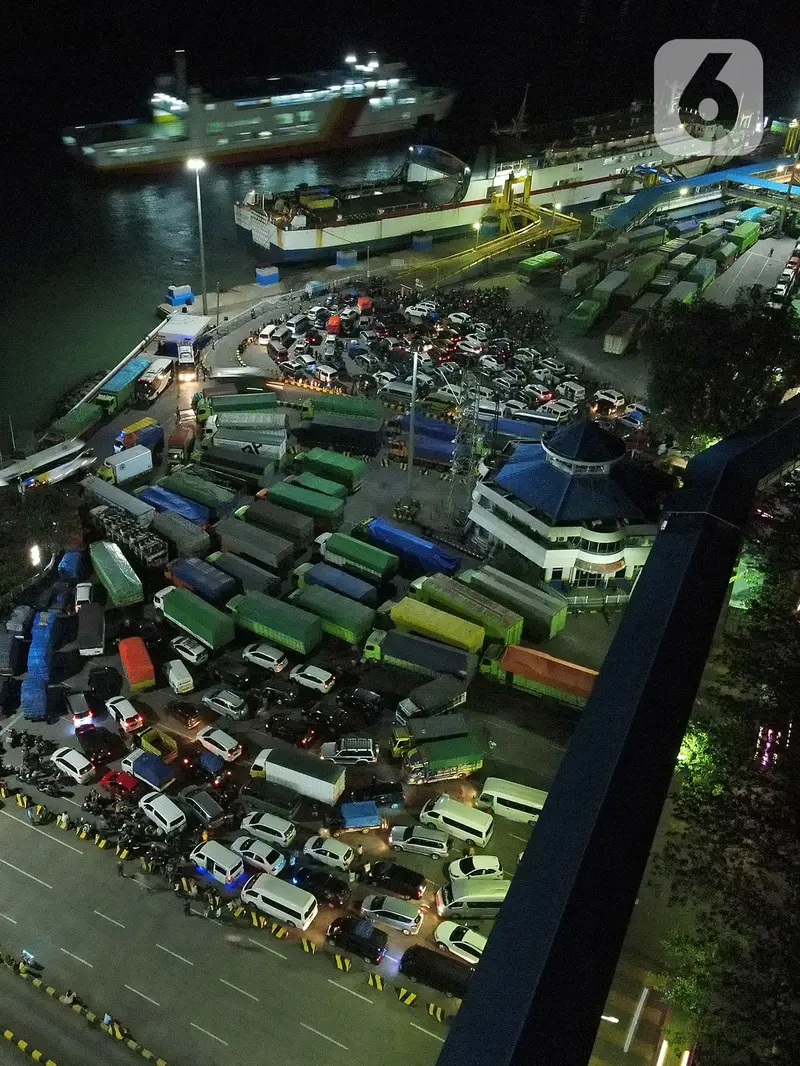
(291, 906)
(465, 900)
(571, 390)
(269, 827)
(398, 391)
(223, 864)
(458, 820)
(178, 677)
(326, 375)
(281, 339)
(165, 815)
(266, 333)
(488, 410)
(519, 803)
(298, 324)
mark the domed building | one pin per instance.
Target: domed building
(575, 505)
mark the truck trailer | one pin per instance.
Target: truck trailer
(276, 621)
(185, 537)
(438, 696)
(420, 553)
(170, 502)
(201, 577)
(119, 390)
(340, 616)
(190, 613)
(247, 575)
(499, 622)
(296, 527)
(127, 465)
(326, 511)
(306, 774)
(261, 547)
(442, 760)
(421, 730)
(116, 574)
(411, 615)
(345, 469)
(331, 577)
(137, 664)
(98, 491)
(544, 612)
(540, 673)
(358, 557)
(419, 655)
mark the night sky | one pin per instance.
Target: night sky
(580, 58)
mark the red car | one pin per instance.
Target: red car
(117, 781)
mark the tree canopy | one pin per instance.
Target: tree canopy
(714, 369)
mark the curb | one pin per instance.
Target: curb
(23, 1045)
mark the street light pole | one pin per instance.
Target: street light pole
(197, 165)
(412, 421)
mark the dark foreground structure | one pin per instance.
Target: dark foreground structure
(537, 996)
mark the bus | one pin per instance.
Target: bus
(44, 462)
(155, 379)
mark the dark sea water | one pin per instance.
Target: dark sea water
(84, 262)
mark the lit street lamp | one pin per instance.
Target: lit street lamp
(197, 165)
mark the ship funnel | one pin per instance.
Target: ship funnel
(180, 74)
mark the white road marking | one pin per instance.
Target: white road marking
(515, 837)
(12, 920)
(344, 988)
(24, 873)
(426, 1031)
(112, 920)
(237, 989)
(136, 992)
(394, 958)
(72, 803)
(27, 824)
(77, 957)
(9, 723)
(174, 955)
(200, 1029)
(272, 951)
(324, 1037)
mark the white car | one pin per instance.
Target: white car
(781, 289)
(259, 854)
(610, 396)
(329, 851)
(124, 714)
(488, 362)
(190, 649)
(83, 594)
(301, 348)
(72, 763)
(515, 405)
(459, 318)
(218, 742)
(475, 866)
(317, 311)
(423, 380)
(383, 377)
(464, 943)
(552, 364)
(265, 656)
(223, 701)
(313, 677)
(470, 346)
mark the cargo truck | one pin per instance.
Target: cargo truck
(683, 293)
(127, 465)
(647, 303)
(164, 500)
(91, 630)
(201, 577)
(255, 544)
(75, 423)
(11, 649)
(118, 526)
(33, 699)
(605, 289)
(745, 235)
(193, 615)
(539, 267)
(422, 554)
(703, 272)
(116, 574)
(423, 730)
(159, 742)
(185, 537)
(363, 436)
(306, 774)
(353, 406)
(707, 242)
(327, 512)
(435, 697)
(185, 483)
(579, 279)
(331, 577)
(232, 422)
(292, 525)
(335, 466)
(205, 406)
(146, 431)
(419, 655)
(682, 263)
(621, 335)
(180, 445)
(646, 236)
(453, 596)
(309, 480)
(442, 760)
(412, 616)
(247, 575)
(340, 617)
(544, 612)
(577, 251)
(580, 320)
(725, 255)
(99, 491)
(119, 390)
(358, 557)
(137, 664)
(147, 767)
(278, 622)
(540, 673)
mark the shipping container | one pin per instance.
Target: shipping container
(345, 469)
(292, 525)
(538, 672)
(326, 511)
(217, 499)
(116, 574)
(256, 544)
(430, 658)
(331, 577)
(579, 279)
(280, 623)
(189, 612)
(544, 612)
(621, 335)
(203, 578)
(247, 575)
(412, 616)
(421, 553)
(499, 622)
(185, 537)
(120, 389)
(358, 557)
(127, 465)
(340, 616)
(101, 491)
(170, 502)
(136, 664)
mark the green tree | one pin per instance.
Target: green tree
(714, 369)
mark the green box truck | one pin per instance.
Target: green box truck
(708, 242)
(683, 293)
(120, 389)
(646, 236)
(340, 616)
(498, 622)
(663, 281)
(312, 481)
(219, 500)
(410, 615)
(577, 251)
(703, 272)
(326, 511)
(538, 266)
(646, 303)
(621, 335)
(296, 527)
(355, 406)
(581, 320)
(725, 255)
(745, 235)
(442, 760)
(682, 263)
(276, 621)
(544, 611)
(116, 574)
(189, 612)
(345, 469)
(358, 557)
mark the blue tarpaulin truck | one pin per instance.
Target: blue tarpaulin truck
(424, 554)
(148, 768)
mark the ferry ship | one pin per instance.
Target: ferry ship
(360, 105)
(435, 194)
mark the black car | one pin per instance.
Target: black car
(301, 734)
(393, 877)
(231, 671)
(331, 722)
(188, 714)
(201, 766)
(363, 700)
(281, 693)
(359, 936)
(383, 793)
(325, 887)
(99, 745)
(104, 682)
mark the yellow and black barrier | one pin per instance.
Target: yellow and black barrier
(280, 932)
(81, 832)
(405, 995)
(100, 841)
(308, 946)
(24, 1045)
(342, 962)
(22, 799)
(122, 851)
(376, 981)
(6, 790)
(437, 1012)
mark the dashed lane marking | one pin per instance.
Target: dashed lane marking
(324, 1037)
(237, 989)
(218, 1039)
(344, 988)
(77, 958)
(175, 955)
(272, 951)
(27, 824)
(25, 873)
(9, 723)
(136, 992)
(515, 837)
(426, 1031)
(6, 917)
(112, 920)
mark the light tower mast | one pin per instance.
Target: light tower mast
(462, 468)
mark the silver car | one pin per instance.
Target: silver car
(394, 913)
(225, 701)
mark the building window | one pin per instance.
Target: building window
(286, 118)
(584, 579)
(305, 116)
